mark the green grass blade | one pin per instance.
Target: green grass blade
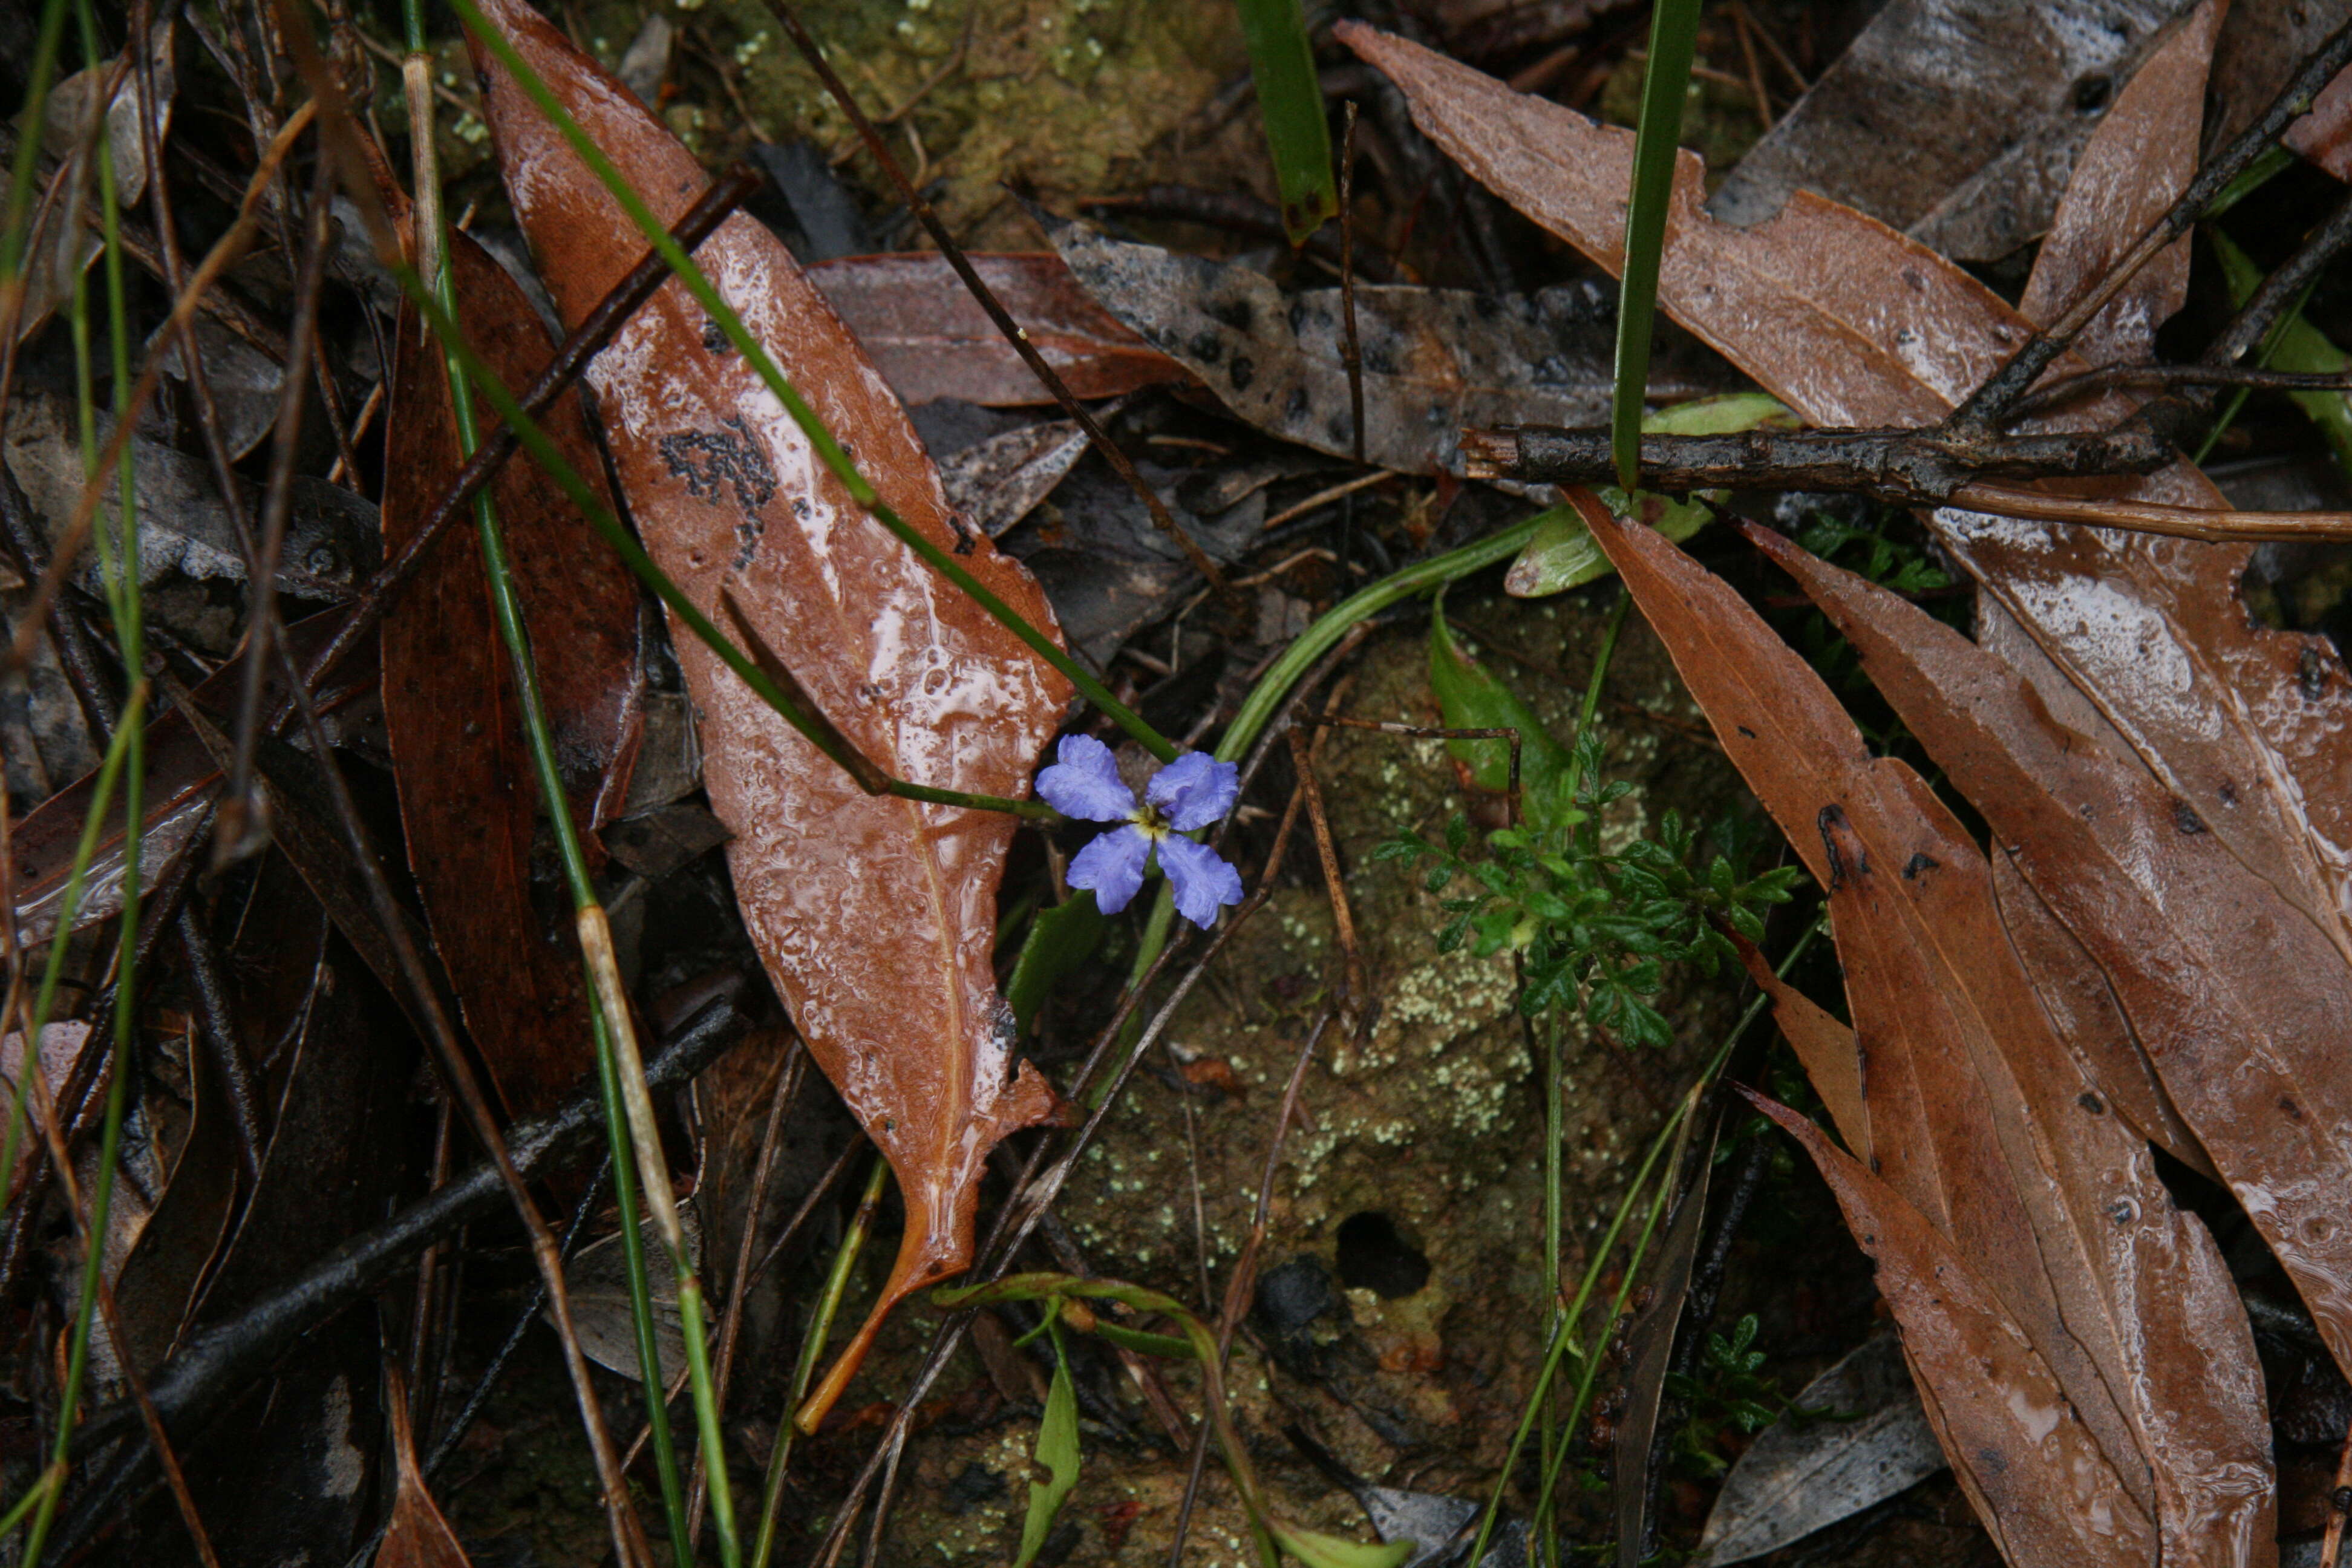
(123, 596)
(1290, 101)
(1665, 83)
(538, 735)
(1057, 1452)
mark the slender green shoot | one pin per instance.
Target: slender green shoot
(13, 236)
(828, 450)
(120, 568)
(1290, 101)
(1265, 699)
(627, 1124)
(1665, 84)
(1562, 1342)
(820, 1329)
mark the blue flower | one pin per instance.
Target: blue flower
(1186, 795)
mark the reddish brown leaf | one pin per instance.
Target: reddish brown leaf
(419, 1535)
(2082, 1005)
(2143, 152)
(931, 339)
(1996, 1138)
(1831, 1059)
(1852, 324)
(466, 796)
(2040, 1481)
(876, 916)
(2324, 135)
(2238, 999)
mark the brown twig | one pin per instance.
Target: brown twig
(1355, 1013)
(2151, 517)
(2093, 382)
(1014, 332)
(738, 1283)
(1895, 464)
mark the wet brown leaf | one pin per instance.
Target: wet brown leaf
(418, 1536)
(931, 339)
(1957, 122)
(1852, 324)
(874, 916)
(2045, 1489)
(451, 710)
(1832, 1058)
(466, 796)
(1989, 1128)
(2237, 998)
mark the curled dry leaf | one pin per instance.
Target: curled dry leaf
(874, 916)
(929, 338)
(1978, 1118)
(1852, 324)
(2237, 998)
(450, 707)
(1827, 1048)
(2047, 1491)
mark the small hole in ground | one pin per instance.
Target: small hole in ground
(1373, 1256)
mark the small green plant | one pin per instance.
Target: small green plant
(1727, 1390)
(1596, 926)
(1865, 549)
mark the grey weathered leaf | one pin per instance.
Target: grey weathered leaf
(1868, 1440)
(1957, 119)
(1434, 360)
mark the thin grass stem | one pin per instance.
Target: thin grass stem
(635, 1141)
(1665, 83)
(1561, 1341)
(124, 594)
(820, 1329)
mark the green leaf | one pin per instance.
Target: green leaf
(1727, 415)
(1290, 100)
(2296, 345)
(1563, 555)
(1318, 1550)
(1471, 696)
(1167, 1347)
(1673, 33)
(1058, 1452)
(1059, 941)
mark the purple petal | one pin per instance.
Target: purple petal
(1194, 790)
(1085, 784)
(1113, 867)
(1199, 878)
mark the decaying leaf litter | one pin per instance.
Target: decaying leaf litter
(2083, 869)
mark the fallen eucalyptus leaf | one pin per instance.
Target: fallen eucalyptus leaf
(931, 339)
(1956, 120)
(1863, 1439)
(1434, 360)
(874, 915)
